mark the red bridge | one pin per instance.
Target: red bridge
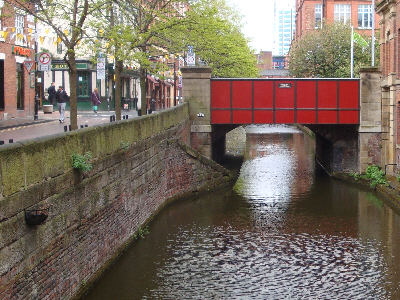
(281, 101)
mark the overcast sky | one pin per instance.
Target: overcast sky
(258, 21)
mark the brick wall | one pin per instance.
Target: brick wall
(91, 216)
(305, 15)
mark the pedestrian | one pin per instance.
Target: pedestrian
(62, 99)
(95, 100)
(52, 93)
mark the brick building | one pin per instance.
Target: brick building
(389, 11)
(310, 13)
(17, 85)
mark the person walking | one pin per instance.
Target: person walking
(95, 100)
(62, 99)
(52, 93)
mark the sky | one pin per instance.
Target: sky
(258, 21)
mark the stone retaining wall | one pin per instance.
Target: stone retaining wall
(138, 165)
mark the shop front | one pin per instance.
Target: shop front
(17, 81)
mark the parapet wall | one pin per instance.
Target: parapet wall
(138, 165)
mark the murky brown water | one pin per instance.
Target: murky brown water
(284, 233)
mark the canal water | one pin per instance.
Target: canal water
(285, 231)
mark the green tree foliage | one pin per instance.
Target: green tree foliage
(325, 53)
(213, 29)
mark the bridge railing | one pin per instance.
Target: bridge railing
(285, 101)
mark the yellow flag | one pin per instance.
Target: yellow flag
(66, 32)
(5, 34)
(13, 29)
(47, 31)
(30, 30)
(58, 40)
(29, 38)
(41, 38)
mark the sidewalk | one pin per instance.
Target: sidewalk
(45, 118)
(22, 129)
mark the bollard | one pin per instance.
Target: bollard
(81, 126)
(36, 116)
(65, 128)
(114, 118)
(111, 119)
(126, 117)
(86, 125)
(1, 143)
(10, 141)
(69, 127)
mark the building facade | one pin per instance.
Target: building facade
(389, 11)
(284, 26)
(17, 76)
(310, 13)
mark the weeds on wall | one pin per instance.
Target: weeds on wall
(373, 174)
(82, 162)
(141, 233)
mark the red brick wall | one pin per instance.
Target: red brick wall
(305, 15)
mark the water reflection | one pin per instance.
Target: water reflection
(284, 234)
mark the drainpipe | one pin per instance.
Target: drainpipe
(324, 12)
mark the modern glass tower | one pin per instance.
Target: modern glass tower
(284, 26)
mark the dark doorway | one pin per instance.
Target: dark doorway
(20, 86)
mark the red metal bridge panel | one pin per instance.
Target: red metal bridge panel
(221, 117)
(263, 94)
(284, 94)
(220, 94)
(349, 117)
(306, 117)
(348, 94)
(263, 117)
(285, 101)
(327, 94)
(241, 94)
(327, 117)
(284, 117)
(242, 117)
(306, 94)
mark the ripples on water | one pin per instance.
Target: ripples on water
(284, 234)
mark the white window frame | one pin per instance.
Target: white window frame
(318, 15)
(365, 11)
(342, 13)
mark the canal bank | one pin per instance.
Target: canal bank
(286, 233)
(137, 167)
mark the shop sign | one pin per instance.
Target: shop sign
(64, 66)
(17, 50)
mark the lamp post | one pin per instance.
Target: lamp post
(174, 65)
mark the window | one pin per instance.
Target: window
(364, 16)
(318, 15)
(19, 29)
(342, 13)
